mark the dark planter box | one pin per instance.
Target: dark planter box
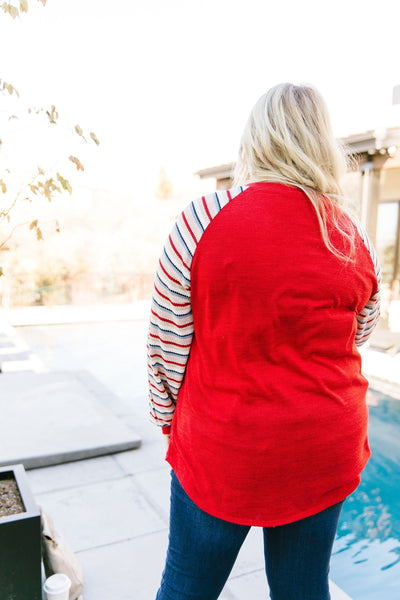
(20, 545)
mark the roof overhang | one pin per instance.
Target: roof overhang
(378, 141)
(383, 142)
(220, 172)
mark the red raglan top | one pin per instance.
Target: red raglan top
(253, 357)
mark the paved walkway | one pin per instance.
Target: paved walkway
(113, 510)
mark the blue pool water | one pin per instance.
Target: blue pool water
(366, 555)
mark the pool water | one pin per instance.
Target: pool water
(366, 554)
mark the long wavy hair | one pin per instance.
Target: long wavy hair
(288, 139)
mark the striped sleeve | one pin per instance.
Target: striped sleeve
(171, 328)
(368, 317)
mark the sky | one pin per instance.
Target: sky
(170, 83)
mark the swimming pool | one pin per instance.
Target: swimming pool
(366, 555)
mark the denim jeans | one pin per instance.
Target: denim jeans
(202, 551)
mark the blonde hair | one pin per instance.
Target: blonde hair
(288, 139)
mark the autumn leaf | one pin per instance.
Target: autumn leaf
(13, 117)
(3, 186)
(52, 114)
(48, 187)
(33, 224)
(10, 88)
(94, 138)
(79, 131)
(43, 2)
(23, 5)
(40, 171)
(1, 271)
(77, 163)
(39, 234)
(34, 188)
(64, 183)
(10, 9)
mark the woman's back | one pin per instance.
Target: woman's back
(272, 408)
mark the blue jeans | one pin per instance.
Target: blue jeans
(202, 551)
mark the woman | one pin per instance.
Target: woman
(262, 295)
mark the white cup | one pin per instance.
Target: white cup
(57, 587)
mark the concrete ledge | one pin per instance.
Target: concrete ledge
(382, 370)
(15, 355)
(384, 386)
(53, 418)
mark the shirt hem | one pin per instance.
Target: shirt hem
(342, 493)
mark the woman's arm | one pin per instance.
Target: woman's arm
(368, 317)
(171, 327)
